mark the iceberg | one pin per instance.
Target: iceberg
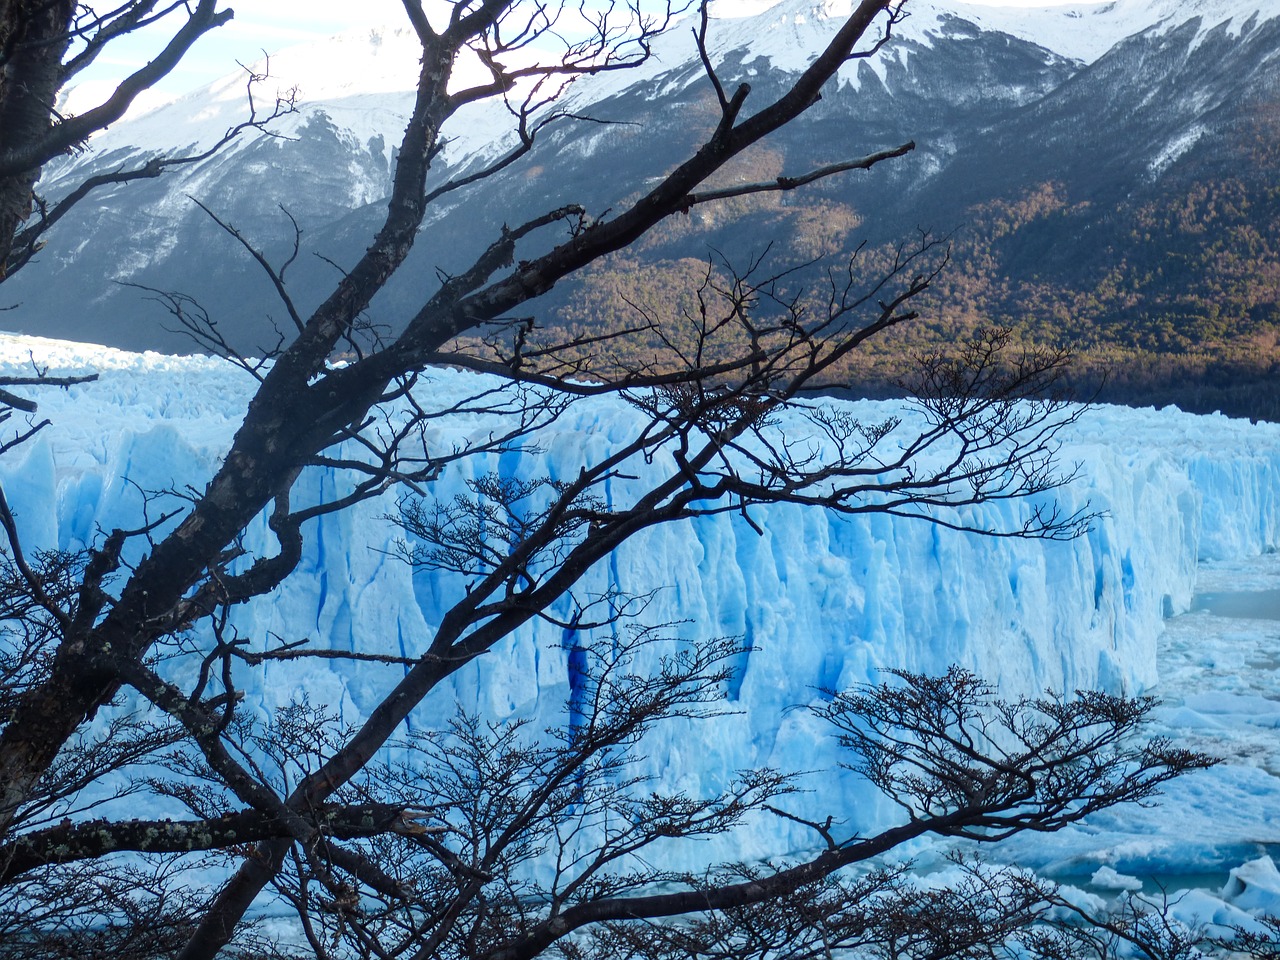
(820, 601)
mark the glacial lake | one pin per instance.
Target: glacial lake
(1239, 604)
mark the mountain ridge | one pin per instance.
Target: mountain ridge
(1073, 188)
(386, 64)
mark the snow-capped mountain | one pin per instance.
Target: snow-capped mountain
(1107, 104)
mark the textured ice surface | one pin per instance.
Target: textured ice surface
(823, 601)
(1220, 689)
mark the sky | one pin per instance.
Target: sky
(268, 25)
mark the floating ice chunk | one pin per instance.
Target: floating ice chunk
(1254, 886)
(1201, 910)
(1108, 879)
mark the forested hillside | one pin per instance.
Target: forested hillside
(1162, 275)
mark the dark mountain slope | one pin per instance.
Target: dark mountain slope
(1126, 205)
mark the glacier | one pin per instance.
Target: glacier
(820, 601)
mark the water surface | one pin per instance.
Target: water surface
(1239, 604)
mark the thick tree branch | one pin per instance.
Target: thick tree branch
(27, 243)
(64, 135)
(783, 184)
(71, 842)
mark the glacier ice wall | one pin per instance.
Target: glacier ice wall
(821, 601)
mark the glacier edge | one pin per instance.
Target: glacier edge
(821, 601)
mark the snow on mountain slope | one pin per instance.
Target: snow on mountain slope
(820, 601)
(1085, 31)
(360, 79)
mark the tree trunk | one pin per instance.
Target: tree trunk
(33, 39)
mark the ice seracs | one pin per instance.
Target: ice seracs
(820, 601)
